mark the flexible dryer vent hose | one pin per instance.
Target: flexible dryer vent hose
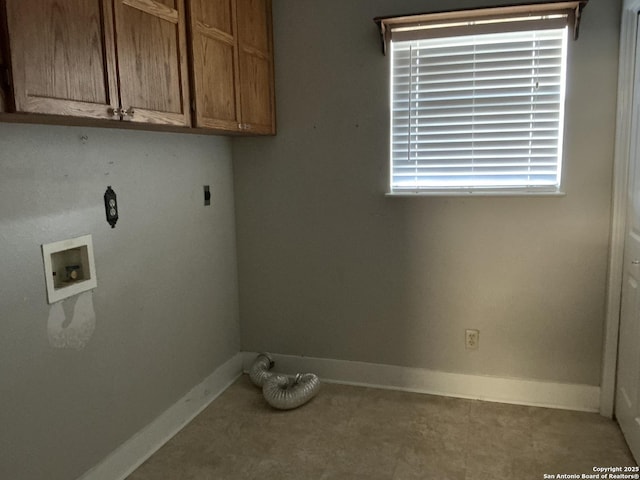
(259, 371)
(280, 391)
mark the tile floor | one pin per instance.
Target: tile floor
(356, 433)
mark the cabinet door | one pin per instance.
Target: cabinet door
(256, 66)
(3, 64)
(214, 64)
(152, 68)
(62, 57)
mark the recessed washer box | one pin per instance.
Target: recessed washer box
(69, 267)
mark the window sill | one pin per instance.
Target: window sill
(477, 193)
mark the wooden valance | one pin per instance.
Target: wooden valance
(387, 24)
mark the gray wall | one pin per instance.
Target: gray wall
(330, 267)
(166, 308)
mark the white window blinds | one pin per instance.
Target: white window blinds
(478, 111)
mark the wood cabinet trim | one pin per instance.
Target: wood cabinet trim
(214, 33)
(48, 119)
(5, 72)
(255, 52)
(236, 64)
(154, 8)
(184, 64)
(113, 84)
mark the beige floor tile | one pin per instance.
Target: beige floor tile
(493, 414)
(270, 468)
(359, 455)
(212, 467)
(336, 475)
(405, 405)
(499, 450)
(360, 433)
(430, 461)
(566, 453)
(525, 472)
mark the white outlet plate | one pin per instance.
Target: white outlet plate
(471, 339)
(69, 267)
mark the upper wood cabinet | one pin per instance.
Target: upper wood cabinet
(64, 59)
(232, 65)
(151, 49)
(143, 61)
(255, 58)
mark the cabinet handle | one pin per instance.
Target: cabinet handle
(121, 112)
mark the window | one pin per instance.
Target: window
(477, 100)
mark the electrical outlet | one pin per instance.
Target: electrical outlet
(471, 339)
(111, 206)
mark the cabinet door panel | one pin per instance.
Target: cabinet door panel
(151, 49)
(214, 64)
(254, 20)
(214, 83)
(3, 65)
(63, 57)
(256, 66)
(255, 85)
(216, 14)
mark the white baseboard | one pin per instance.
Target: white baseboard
(493, 389)
(131, 454)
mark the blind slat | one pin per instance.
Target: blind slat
(478, 111)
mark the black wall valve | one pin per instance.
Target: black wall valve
(111, 206)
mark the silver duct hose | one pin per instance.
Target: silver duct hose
(280, 391)
(259, 371)
(284, 393)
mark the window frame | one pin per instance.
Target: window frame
(453, 22)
